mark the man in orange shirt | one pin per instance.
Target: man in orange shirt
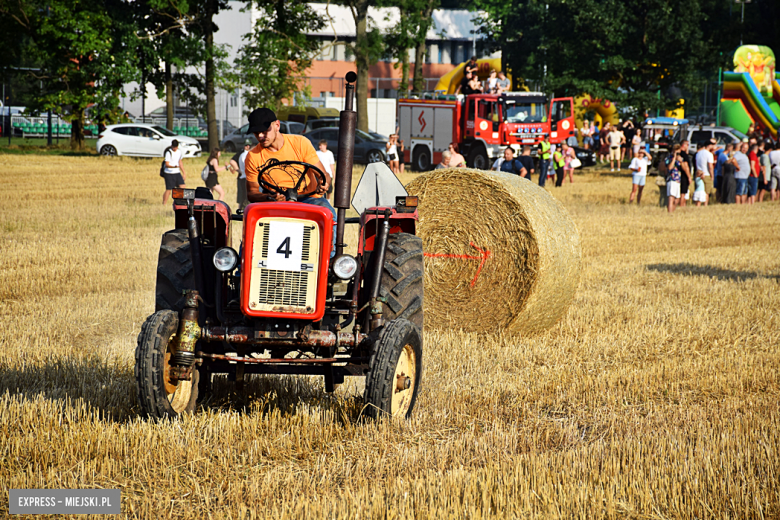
(272, 144)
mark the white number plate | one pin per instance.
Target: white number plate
(285, 246)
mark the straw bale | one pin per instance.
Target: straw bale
(529, 244)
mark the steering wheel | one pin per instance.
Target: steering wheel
(295, 170)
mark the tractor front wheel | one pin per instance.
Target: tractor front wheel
(402, 279)
(395, 372)
(158, 394)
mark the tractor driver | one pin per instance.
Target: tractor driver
(272, 144)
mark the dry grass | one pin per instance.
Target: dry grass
(655, 397)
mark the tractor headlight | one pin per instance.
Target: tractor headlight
(345, 267)
(225, 259)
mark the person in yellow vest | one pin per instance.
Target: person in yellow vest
(545, 160)
(559, 162)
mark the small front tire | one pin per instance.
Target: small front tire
(108, 150)
(478, 158)
(421, 159)
(158, 395)
(395, 373)
(375, 156)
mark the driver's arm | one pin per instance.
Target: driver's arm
(253, 193)
(312, 180)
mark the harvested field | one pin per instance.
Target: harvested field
(654, 397)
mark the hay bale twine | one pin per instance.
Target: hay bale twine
(500, 252)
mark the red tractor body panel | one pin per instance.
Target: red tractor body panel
(212, 216)
(286, 210)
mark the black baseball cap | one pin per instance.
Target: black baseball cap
(260, 119)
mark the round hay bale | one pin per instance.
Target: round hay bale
(500, 252)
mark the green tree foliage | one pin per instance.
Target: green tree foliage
(414, 22)
(166, 48)
(630, 52)
(277, 53)
(368, 48)
(82, 48)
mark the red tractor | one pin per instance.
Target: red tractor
(288, 301)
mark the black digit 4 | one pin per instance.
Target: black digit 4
(284, 248)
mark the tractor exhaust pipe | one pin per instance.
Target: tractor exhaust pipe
(346, 153)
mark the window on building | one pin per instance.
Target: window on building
(234, 100)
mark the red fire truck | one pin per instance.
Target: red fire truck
(482, 125)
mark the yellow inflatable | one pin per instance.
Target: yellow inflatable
(604, 110)
(448, 83)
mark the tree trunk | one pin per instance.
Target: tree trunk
(211, 111)
(418, 85)
(403, 87)
(362, 62)
(77, 130)
(168, 96)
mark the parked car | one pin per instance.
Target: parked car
(143, 141)
(367, 149)
(722, 134)
(235, 140)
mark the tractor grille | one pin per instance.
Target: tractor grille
(283, 288)
(290, 288)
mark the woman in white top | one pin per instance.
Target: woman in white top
(636, 142)
(492, 83)
(392, 153)
(638, 169)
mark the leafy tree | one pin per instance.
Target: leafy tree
(416, 17)
(278, 52)
(166, 48)
(630, 52)
(83, 53)
(368, 47)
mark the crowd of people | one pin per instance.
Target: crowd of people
(496, 83)
(737, 173)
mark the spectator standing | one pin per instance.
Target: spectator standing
(173, 169)
(604, 148)
(238, 165)
(527, 161)
(212, 181)
(723, 156)
(595, 134)
(774, 161)
(728, 182)
(705, 168)
(558, 163)
(755, 169)
(327, 160)
(628, 135)
(509, 164)
(638, 168)
(456, 159)
(685, 179)
(587, 139)
(391, 150)
(568, 157)
(572, 139)
(743, 173)
(699, 195)
(765, 173)
(446, 156)
(636, 143)
(401, 148)
(616, 139)
(544, 163)
(503, 82)
(673, 165)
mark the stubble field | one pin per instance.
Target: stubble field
(655, 397)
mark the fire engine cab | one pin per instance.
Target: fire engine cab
(482, 125)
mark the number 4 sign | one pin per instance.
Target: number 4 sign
(285, 246)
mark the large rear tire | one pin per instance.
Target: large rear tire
(478, 158)
(402, 279)
(174, 271)
(158, 395)
(393, 381)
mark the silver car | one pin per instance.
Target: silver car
(235, 140)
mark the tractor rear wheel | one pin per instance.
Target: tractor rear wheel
(402, 279)
(174, 271)
(395, 371)
(158, 395)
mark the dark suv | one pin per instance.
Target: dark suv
(367, 148)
